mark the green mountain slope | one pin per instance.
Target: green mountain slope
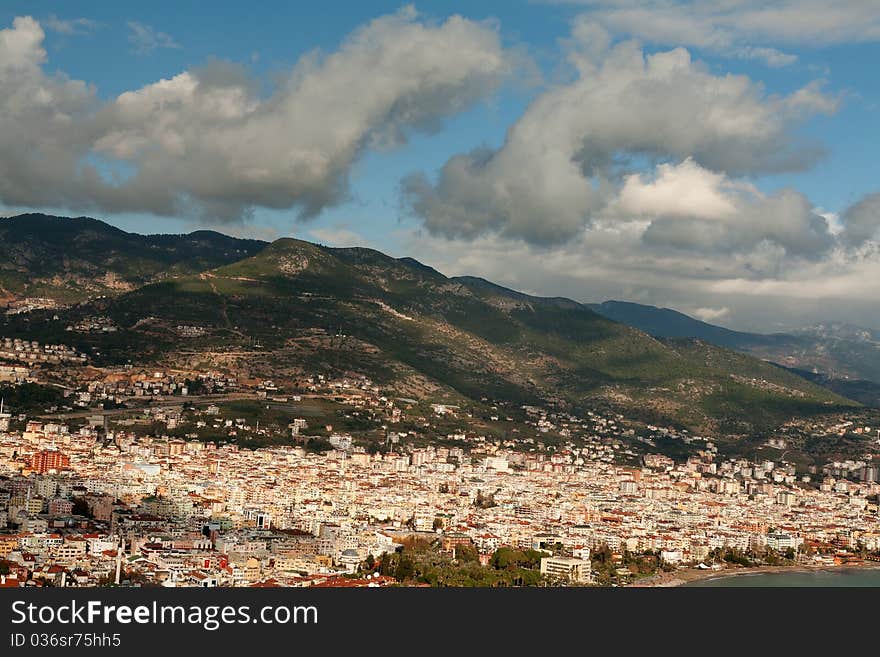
(296, 307)
(841, 353)
(74, 259)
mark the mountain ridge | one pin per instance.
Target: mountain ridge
(835, 351)
(315, 308)
(72, 259)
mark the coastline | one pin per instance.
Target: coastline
(686, 575)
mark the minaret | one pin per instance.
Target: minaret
(119, 550)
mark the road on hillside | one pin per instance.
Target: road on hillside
(156, 401)
(162, 401)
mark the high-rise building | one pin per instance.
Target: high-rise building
(4, 417)
(49, 459)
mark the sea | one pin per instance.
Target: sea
(838, 577)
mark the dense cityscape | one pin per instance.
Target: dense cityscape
(570, 294)
(136, 497)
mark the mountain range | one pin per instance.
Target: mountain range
(76, 259)
(278, 310)
(839, 356)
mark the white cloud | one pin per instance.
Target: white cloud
(43, 122)
(626, 182)
(835, 225)
(559, 167)
(861, 222)
(686, 190)
(144, 39)
(770, 56)
(784, 219)
(70, 26)
(631, 182)
(206, 143)
(728, 26)
(762, 289)
(841, 277)
(337, 236)
(710, 315)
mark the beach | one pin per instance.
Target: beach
(684, 576)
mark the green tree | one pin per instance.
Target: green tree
(405, 568)
(466, 552)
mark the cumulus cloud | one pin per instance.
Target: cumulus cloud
(763, 289)
(686, 190)
(560, 165)
(861, 222)
(206, 143)
(43, 129)
(633, 181)
(628, 181)
(691, 208)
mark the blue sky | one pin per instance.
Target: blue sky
(815, 87)
(271, 38)
(269, 41)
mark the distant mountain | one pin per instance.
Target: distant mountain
(75, 259)
(864, 392)
(835, 350)
(298, 307)
(840, 331)
(668, 323)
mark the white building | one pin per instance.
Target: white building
(783, 541)
(574, 570)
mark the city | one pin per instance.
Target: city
(101, 503)
(499, 326)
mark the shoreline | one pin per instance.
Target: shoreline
(685, 576)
